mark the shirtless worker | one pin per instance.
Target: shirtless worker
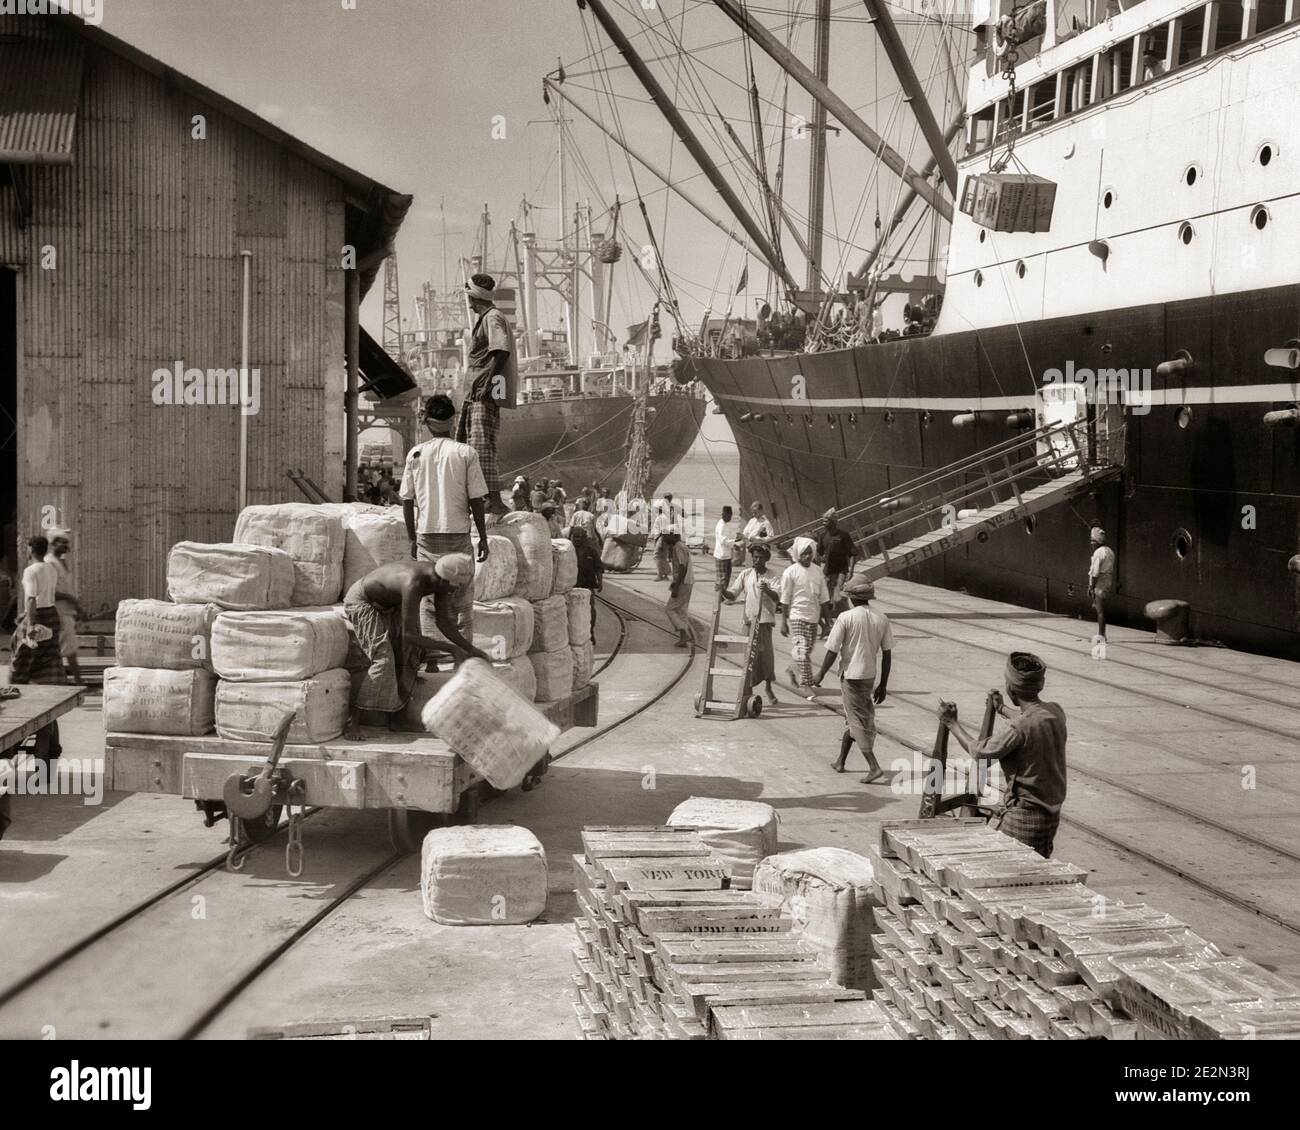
(384, 609)
(1031, 752)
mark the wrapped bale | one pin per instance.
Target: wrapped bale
(496, 731)
(564, 566)
(827, 892)
(535, 567)
(312, 536)
(250, 712)
(524, 679)
(373, 538)
(427, 685)
(583, 661)
(242, 578)
(743, 832)
(483, 875)
(554, 671)
(144, 700)
(495, 578)
(550, 624)
(620, 557)
(279, 646)
(577, 604)
(503, 629)
(158, 633)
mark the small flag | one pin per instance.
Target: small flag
(744, 278)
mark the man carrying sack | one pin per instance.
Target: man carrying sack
(1031, 751)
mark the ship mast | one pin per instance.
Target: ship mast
(817, 157)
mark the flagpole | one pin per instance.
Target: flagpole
(741, 283)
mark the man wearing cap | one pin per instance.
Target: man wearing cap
(724, 547)
(1031, 751)
(490, 373)
(837, 552)
(1101, 576)
(678, 606)
(758, 530)
(854, 640)
(442, 489)
(762, 593)
(383, 608)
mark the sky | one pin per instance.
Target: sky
(417, 94)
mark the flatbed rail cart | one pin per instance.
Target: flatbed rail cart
(416, 778)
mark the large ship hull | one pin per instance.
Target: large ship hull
(1207, 511)
(582, 440)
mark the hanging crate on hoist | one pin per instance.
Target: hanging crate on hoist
(1009, 201)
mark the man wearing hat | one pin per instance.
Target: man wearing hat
(383, 608)
(762, 594)
(837, 552)
(442, 489)
(854, 640)
(519, 494)
(1101, 576)
(1031, 751)
(491, 375)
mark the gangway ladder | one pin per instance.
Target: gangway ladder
(747, 704)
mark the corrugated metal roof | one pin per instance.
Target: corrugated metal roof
(40, 89)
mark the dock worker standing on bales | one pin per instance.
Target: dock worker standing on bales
(1101, 576)
(383, 608)
(1031, 751)
(491, 377)
(854, 640)
(442, 488)
(806, 603)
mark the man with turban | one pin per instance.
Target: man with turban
(491, 374)
(761, 591)
(1031, 751)
(383, 608)
(855, 638)
(1101, 576)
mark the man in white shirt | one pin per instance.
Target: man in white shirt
(724, 547)
(1101, 576)
(854, 640)
(442, 488)
(762, 593)
(758, 530)
(805, 601)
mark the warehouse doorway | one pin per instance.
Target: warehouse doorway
(8, 434)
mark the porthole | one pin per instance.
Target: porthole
(889, 419)
(1020, 269)
(1191, 174)
(983, 235)
(1108, 198)
(1182, 543)
(1186, 233)
(1259, 217)
(1265, 154)
(979, 278)
(1183, 417)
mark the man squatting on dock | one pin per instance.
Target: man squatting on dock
(1031, 751)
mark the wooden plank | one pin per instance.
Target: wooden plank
(729, 1018)
(702, 996)
(883, 1031)
(37, 707)
(712, 920)
(331, 784)
(690, 949)
(674, 872)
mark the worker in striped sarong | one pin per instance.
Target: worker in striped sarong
(490, 373)
(805, 604)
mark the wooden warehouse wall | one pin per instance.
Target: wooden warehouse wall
(147, 225)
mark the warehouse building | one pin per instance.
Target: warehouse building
(132, 201)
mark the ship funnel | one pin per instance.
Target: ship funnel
(1178, 367)
(1287, 357)
(1283, 417)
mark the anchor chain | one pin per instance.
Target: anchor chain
(293, 850)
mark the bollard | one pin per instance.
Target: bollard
(1171, 619)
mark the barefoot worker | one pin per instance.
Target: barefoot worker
(682, 576)
(762, 593)
(854, 640)
(384, 610)
(1031, 751)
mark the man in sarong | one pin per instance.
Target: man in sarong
(489, 375)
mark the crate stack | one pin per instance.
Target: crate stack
(668, 950)
(982, 938)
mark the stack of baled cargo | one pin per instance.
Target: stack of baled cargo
(981, 938)
(541, 634)
(667, 950)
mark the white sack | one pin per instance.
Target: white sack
(503, 628)
(564, 566)
(743, 832)
(496, 577)
(238, 577)
(482, 875)
(373, 538)
(250, 712)
(496, 731)
(550, 624)
(554, 670)
(578, 608)
(583, 661)
(524, 678)
(279, 646)
(618, 557)
(532, 540)
(143, 700)
(158, 633)
(311, 535)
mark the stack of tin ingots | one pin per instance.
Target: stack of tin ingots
(981, 938)
(667, 950)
